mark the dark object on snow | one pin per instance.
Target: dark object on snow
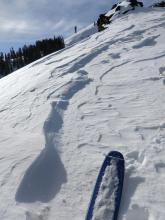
(113, 6)
(160, 4)
(118, 8)
(141, 4)
(114, 178)
(103, 19)
(75, 29)
(135, 3)
(106, 19)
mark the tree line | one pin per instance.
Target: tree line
(14, 60)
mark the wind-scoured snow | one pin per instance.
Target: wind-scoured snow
(60, 115)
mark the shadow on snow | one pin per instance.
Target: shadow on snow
(43, 179)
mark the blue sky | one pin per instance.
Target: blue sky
(24, 21)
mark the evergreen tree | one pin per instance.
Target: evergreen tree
(27, 54)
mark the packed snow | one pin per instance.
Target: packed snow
(60, 115)
(105, 202)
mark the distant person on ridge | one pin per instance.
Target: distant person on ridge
(75, 29)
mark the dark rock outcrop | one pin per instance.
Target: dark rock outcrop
(160, 4)
(119, 8)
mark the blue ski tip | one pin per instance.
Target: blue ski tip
(116, 154)
(113, 161)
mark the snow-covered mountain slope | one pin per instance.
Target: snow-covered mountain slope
(82, 35)
(60, 115)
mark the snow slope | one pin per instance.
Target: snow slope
(81, 35)
(60, 115)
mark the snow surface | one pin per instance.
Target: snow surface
(60, 115)
(105, 202)
(82, 34)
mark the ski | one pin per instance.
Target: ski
(106, 197)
